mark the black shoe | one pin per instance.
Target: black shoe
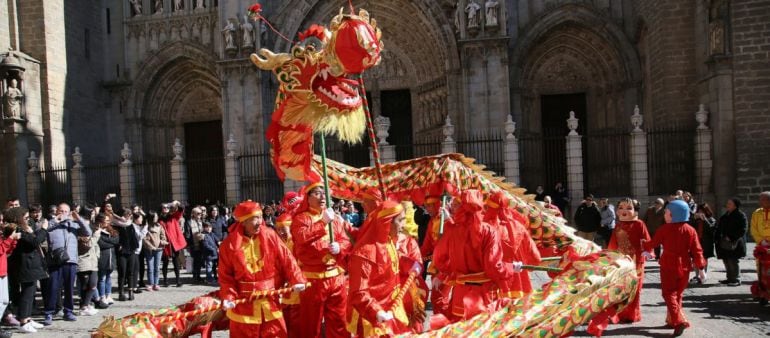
(695, 280)
(122, 297)
(130, 295)
(679, 330)
(734, 283)
(101, 305)
(724, 281)
(138, 290)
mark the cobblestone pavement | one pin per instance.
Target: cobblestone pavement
(714, 310)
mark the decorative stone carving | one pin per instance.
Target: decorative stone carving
(33, 162)
(77, 158)
(136, 7)
(448, 130)
(492, 9)
(177, 148)
(229, 32)
(572, 124)
(510, 128)
(473, 14)
(702, 116)
(231, 145)
(178, 5)
(248, 33)
(637, 119)
(158, 7)
(125, 154)
(13, 97)
(199, 4)
(381, 125)
(457, 15)
(716, 37)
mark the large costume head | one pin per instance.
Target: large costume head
(678, 211)
(626, 210)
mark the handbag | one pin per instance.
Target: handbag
(84, 245)
(726, 244)
(59, 256)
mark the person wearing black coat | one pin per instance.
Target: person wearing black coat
(108, 260)
(28, 262)
(730, 240)
(588, 218)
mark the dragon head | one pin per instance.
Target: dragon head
(315, 83)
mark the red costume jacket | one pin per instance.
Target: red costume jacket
(311, 244)
(472, 258)
(261, 262)
(628, 238)
(679, 240)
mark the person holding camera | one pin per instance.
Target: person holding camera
(63, 260)
(14, 218)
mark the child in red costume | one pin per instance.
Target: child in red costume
(416, 297)
(253, 258)
(681, 249)
(323, 263)
(374, 282)
(628, 237)
(517, 243)
(283, 227)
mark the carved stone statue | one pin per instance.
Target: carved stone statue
(248, 32)
(716, 37)
(178, 5)
(492, 7)
(13, 98)
(229, 32)
(158, 6)
(473, 14)
(199, 4)
(457, 17)
(136, 7)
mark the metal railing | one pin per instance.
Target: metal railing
(259, 181)
(607, 163)
(153, 182)
(55, 185)
(487, 148)
(671, 159)
(102, 180)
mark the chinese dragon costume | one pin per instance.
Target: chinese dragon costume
(317, 94)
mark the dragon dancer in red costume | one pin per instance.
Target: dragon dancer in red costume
(409, 255)
(283, 227)
(439, 296)
(681, 249)
(323, 263)
(518, 245)
(374, 276)
(251, 259)
(470, 254)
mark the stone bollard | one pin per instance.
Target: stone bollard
(232, 173)
(640, 185)
(574, 161)
(511, 152)
(78, 178)
(178, 174)
(127, 178)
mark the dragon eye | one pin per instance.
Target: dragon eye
(313, 42)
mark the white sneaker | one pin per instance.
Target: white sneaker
(28, 328)
(109, 300)
(35, 324)
(89, 311)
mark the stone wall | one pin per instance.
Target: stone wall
(671, 53)
(751, 50)
(5, 28)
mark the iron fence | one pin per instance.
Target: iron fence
(543, 159)
(259, 182)
(425, 147)
(153, 182)
(671, 159)
(102, 180)
(607, 163)
(487, 148)
(55, 185)
(206, 180)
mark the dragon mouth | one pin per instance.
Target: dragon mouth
(334, 91)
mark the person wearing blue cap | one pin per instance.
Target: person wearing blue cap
(681, 249)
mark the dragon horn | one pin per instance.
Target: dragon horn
(270, 61)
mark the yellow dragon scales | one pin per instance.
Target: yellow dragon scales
(316, 94)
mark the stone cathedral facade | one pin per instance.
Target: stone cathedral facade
(98, 74)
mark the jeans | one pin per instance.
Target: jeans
(153, 266)
(61, 277)
(210, 272)
(105, 283)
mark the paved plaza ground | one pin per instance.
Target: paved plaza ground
(715, 310)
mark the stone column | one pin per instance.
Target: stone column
(640, 185)
(703, 161)
(127, 178)
(232, 173)
(387, 151)
(511, 152)
(574, 161)
(34, 182)
(78, 178)
(178, 174)
(449, 145)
